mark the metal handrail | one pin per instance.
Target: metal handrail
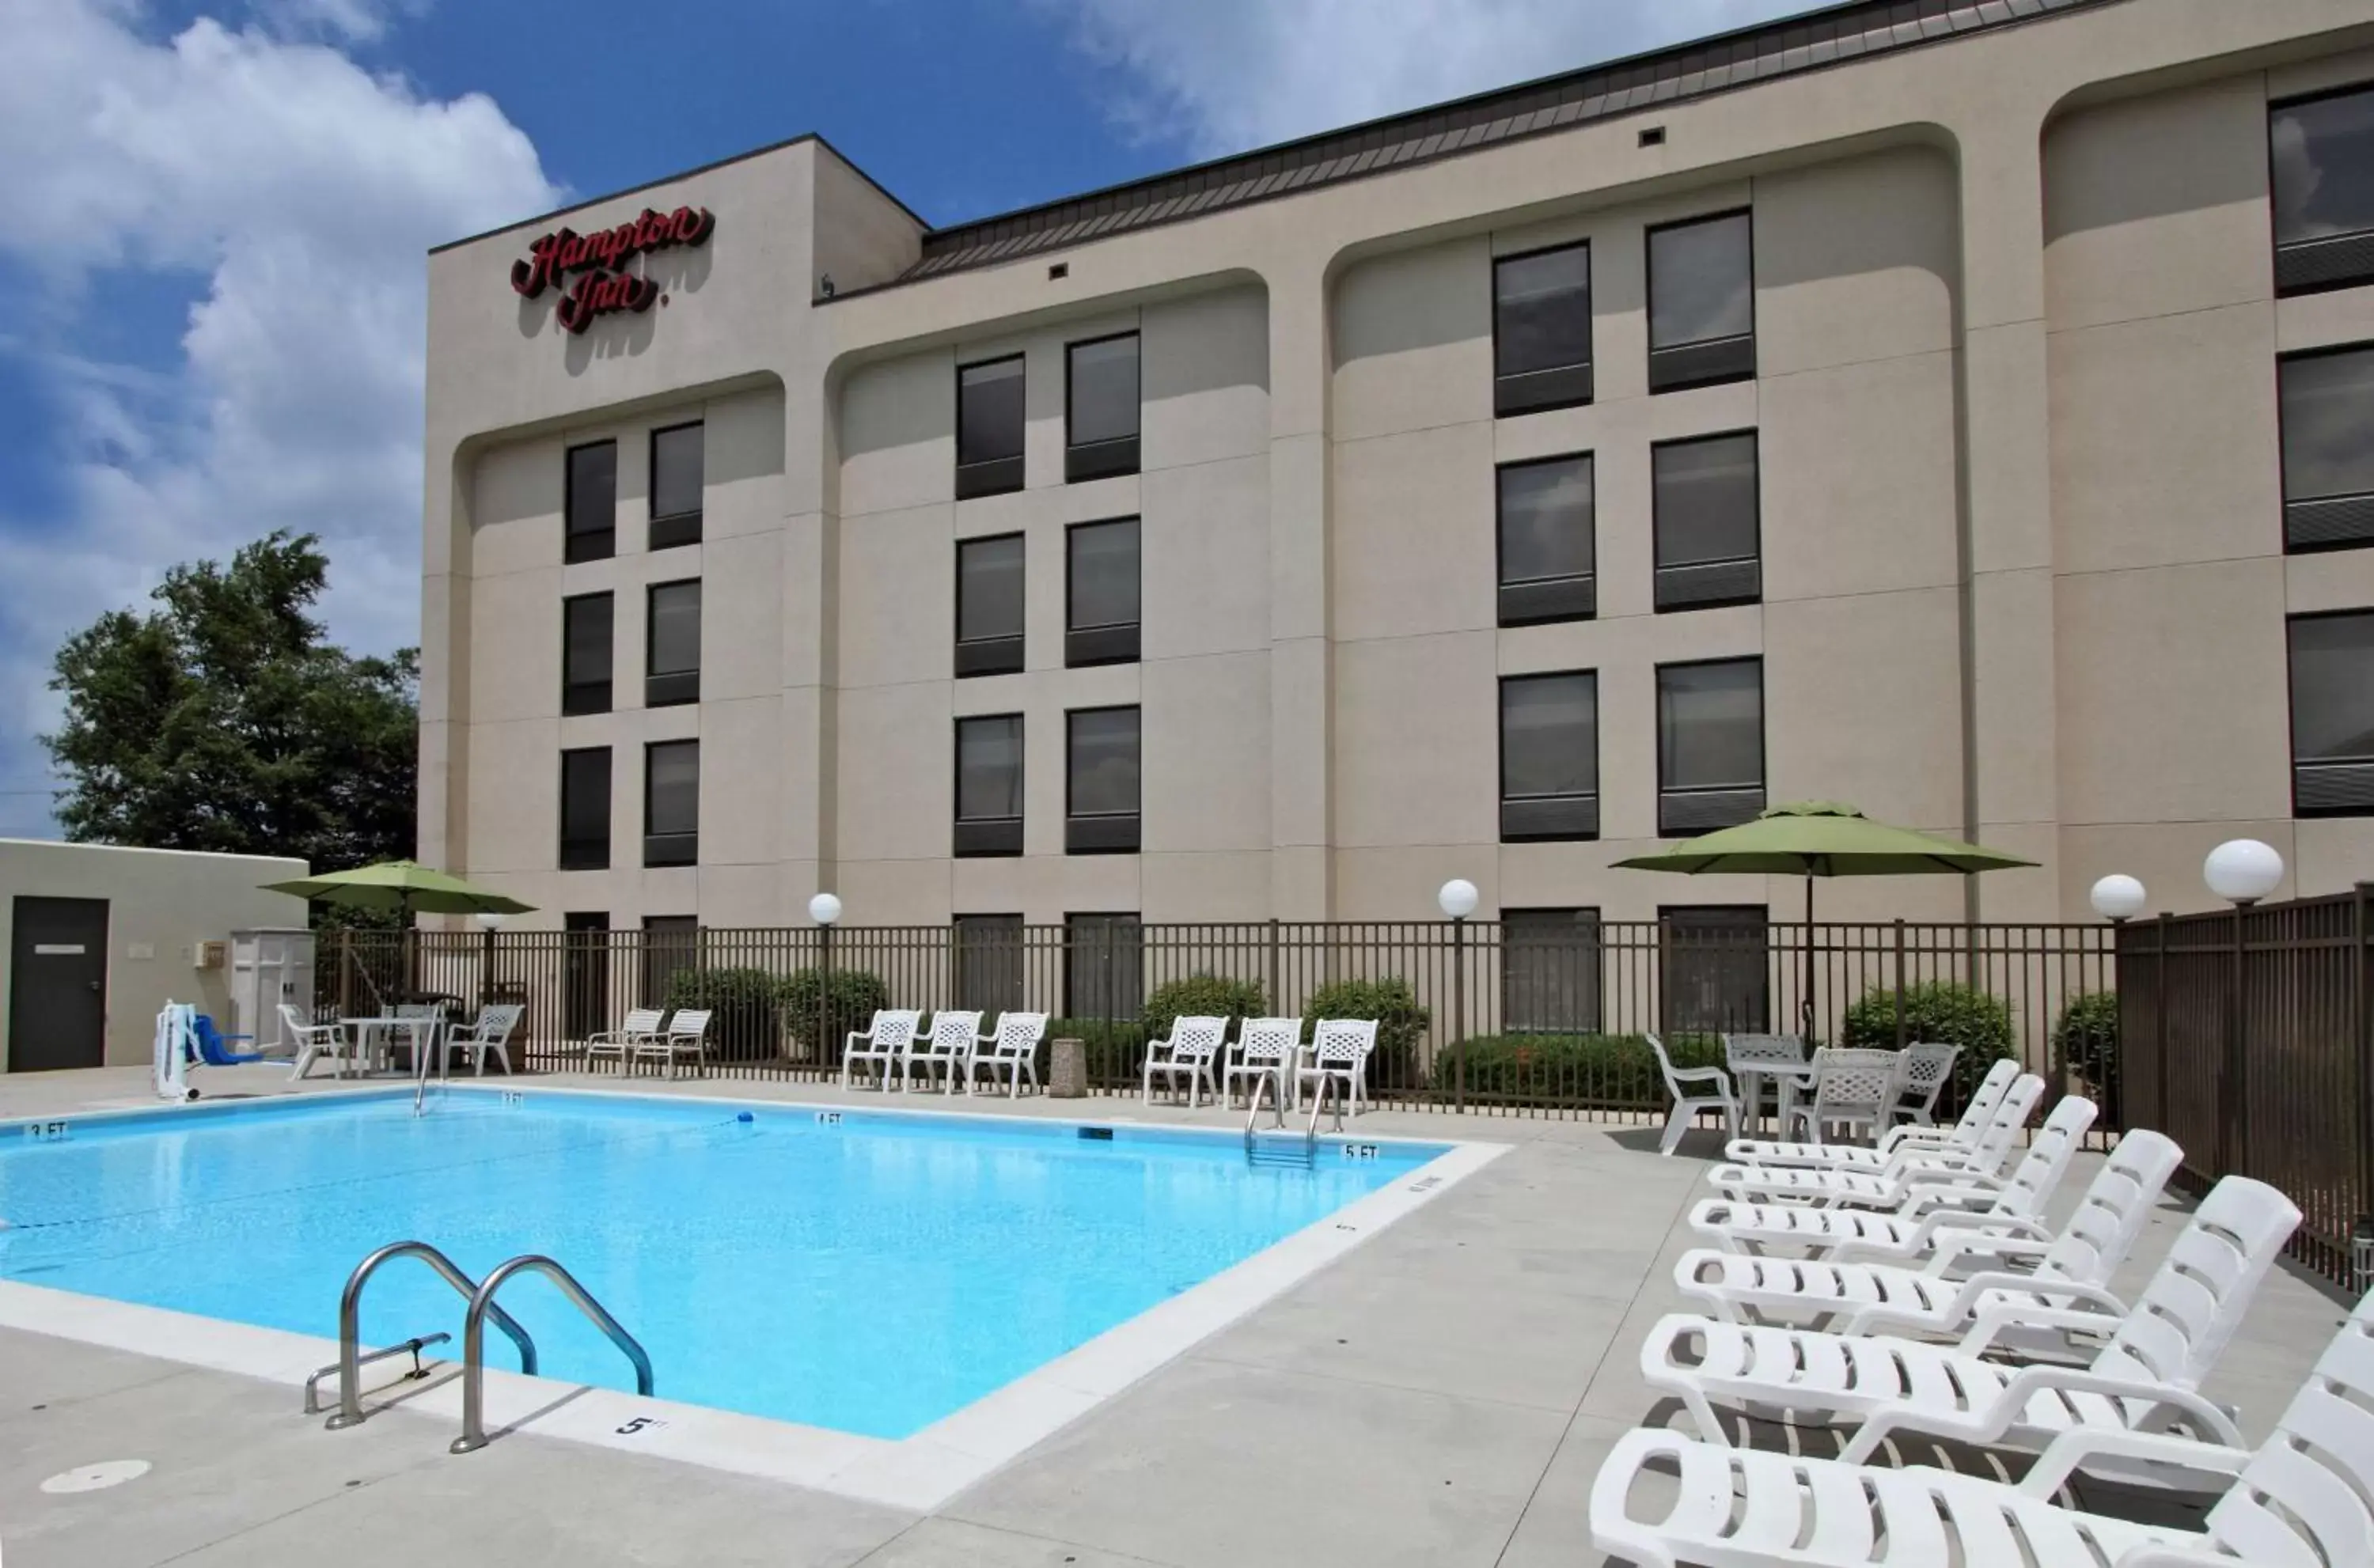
(1270, 1081)
(350, 1317)
(1327, 1083)
(474, 1338)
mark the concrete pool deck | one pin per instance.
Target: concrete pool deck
(1439, 1395)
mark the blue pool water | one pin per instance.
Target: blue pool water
(871, 1275)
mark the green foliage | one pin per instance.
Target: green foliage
(1115, 1048)
(2085, 1039)
(222, 721)
(1600, 1069)
(1401, 1024)
(743, 1026)
(847, 1001)
(1942, 1013)
(1201, 996)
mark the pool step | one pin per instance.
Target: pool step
(1293, 1152)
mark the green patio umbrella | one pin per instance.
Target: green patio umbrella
(404, 886)
(1811, 839)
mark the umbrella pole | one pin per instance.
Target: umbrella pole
(1805, 992)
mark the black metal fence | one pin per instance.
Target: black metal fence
(2245, 1035)
(1530, 1016)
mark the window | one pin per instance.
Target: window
(676, 485)
(592, 503)
(1547, 553)
(673, 671)
(1104, 966)
(2321, 153)
(1100, 781)
(585, 653)
(1701, 302)
(2332, 714)
(986, 962)
(1100, 408)
(1709, 745)
(989, 428)
(1702, 509)
(989, 606)
(1717, 968)
(2328, 420)
(1549, 757)
(1550, 962)
(585, 810)
(672, 804)
(1101, 590)
(671, 945)
(989, 785)
(1541, 330)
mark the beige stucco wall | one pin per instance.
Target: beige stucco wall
(2020, 538)
(161, 903)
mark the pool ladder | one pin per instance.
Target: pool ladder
(1301, 1153)
(352, 1359)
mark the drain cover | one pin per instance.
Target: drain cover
(97, 1478)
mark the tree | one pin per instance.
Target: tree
(223, 720)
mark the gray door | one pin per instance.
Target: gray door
(57, 984)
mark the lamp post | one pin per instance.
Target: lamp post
(824, 909)
(2241, 872)
(489, 921)
(2118, 899)
(1457, 899)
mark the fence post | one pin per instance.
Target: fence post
(824, 1001)
(346, 973)
(1459, 1014)
(2232, 1136)
(1276, 997)
(2159, 1020)
(1900, 982)
(2361, 1036)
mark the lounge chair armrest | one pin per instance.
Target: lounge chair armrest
(1915, 1135)
(1965, 1300)
(2152, 1556)
(1960, 1245)
(2013, 1315)
(2072, 1448)
(1923, 1196)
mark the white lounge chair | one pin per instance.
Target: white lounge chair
(1928, 1067)
(1964, 1134)
(2148, 1372)
(1013, 1050)
(314, 1040)
(1188, 1051)
(1340, 1048)
(1910, 1229)
(2300, 1501)
(1886, 1186)
(687, 1035)
(884, 1044)
(1689, 1087)
(640, 1024)
(945, 1052)
(1267, 1050)
(1852, 1087)
(489, 1035)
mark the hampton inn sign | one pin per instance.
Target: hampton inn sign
(603, 256)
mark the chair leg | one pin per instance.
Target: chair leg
(1676, 1123)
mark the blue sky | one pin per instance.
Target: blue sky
(217, 209)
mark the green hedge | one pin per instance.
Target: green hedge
(745, 1027)
(2085, 1041)
(848, 1000)
(1116, 1047)
(1940, 1012)
(1201, 996)
(1603, 1070)
(1401, 1024)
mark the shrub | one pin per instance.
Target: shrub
(1942, 1012)
(1203, 996)
(1401, 1024)
(848, 1001)
(2085, 1039)
(743, 1002)
(1616, 1071)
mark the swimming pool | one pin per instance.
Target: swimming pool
(868, 1273)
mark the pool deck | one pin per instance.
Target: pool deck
(1441, 1394)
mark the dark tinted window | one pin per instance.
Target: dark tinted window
(1704, 506)
(593, 502)
(1101, 587)
(2333, 713)
(1550, 962)
(1700, 282)
(989, 428)
(2328, 425)
(670, 803)
(674, 643)
(1709, 745)
(988, 768)
(585, 653)
(676, 485)
(1549, 736)
(1102, 755)
(1102, 390)
(1541, 330)
(989, 606)
(987, 960)
(2322, 160)
(585, 809)
(1104, 966)
(1716, 964)
(671, 945)
(1546, 541)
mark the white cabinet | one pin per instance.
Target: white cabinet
(270, 966)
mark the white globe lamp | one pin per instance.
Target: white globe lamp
(2118, 899)
(824, 908)
(2242, 870)
(1458, 898)
(489, 919)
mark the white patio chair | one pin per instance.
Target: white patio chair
(1188, 1051)
(313, 1040)
(1340, 1048)
(1886, 1187)
(640, 1025)
(1266, 1049)
(687, 1035)
(490, 1033)
(1689, 1086)
(1963, 1135)
(1013, 1050)
(1742, 1054)
(2146, 1374)
(2299, 1501)
(946, 1051)
(1928, 1067)
(884, 1044)
(1852, 1087)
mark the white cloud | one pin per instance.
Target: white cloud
(298, 194)
(1223, 76)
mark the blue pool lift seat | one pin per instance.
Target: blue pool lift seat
(213, 1046)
